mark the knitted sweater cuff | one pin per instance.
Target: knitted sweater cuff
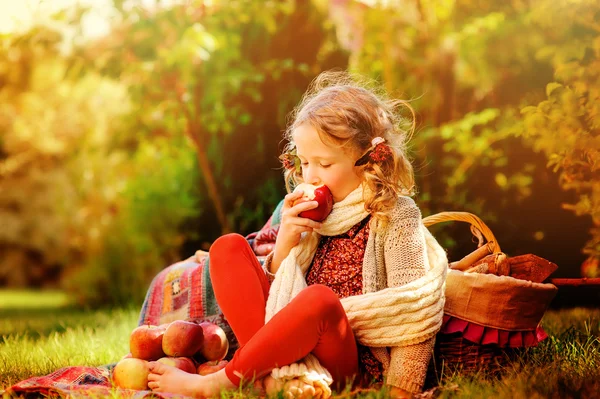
(405, 383)
(267, 265)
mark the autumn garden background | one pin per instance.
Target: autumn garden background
(124, 152)
(135, 132)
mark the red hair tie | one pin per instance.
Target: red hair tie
(290, 161)
(378, 153)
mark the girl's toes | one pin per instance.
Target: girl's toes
(156, 368)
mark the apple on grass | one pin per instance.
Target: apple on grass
(211, 366)
(322, 195)
(131, 373)
(182, 363)
(215, 345)
(182, 338)
(145, 342)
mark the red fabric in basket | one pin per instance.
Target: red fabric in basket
(487, 335)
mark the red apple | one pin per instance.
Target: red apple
(182, 338)
(216, 344)
(182, 363)
(145, 342)
(322, 195)
(211, 367)
(131, 373)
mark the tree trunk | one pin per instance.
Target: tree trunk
(211, 185)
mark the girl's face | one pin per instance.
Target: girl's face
(323, 164)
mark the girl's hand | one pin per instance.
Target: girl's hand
(292, 226)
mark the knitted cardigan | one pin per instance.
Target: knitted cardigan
(398, 256)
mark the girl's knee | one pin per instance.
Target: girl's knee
(321, 300)
(224, 247)
(317, 291)
(227, 243)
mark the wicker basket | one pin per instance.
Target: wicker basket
(453, 351)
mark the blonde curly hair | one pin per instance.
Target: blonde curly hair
(348, 112)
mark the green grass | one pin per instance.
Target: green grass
(41, 333)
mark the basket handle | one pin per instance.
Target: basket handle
(477, 226)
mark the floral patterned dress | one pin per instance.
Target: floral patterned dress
(338, 265)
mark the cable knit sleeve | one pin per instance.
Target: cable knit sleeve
(405, 256)
(266, 266)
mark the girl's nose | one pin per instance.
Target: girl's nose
(311, 177)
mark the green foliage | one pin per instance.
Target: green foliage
(566, 125)
(446, 56)
(121, 153)
(223, 77)
(74, 199)
(470, 67)
(50, 122)
(157, 136)
(158, 196)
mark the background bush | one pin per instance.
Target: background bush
(124, 153)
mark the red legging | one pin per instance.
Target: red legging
(313, 322)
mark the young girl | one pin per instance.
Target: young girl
(357, 298)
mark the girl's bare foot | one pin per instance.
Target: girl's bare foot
(163, 378)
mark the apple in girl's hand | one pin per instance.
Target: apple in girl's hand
(211, 367)
(131, 373)
(145, 342)
(216, 344)
(182, 363)
(182, 338)
(322, 195)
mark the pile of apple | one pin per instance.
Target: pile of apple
(197, 348)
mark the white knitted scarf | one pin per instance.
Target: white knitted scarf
(396, 316)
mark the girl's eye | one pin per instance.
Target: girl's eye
(321, 165)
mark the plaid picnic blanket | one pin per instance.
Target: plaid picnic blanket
(182, 291)
(76, 382)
